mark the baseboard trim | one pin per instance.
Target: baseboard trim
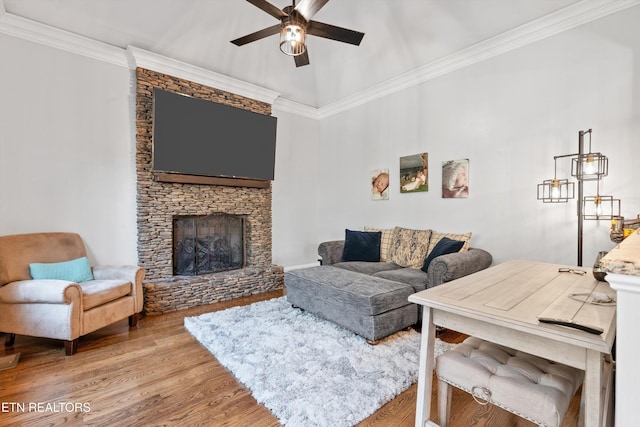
(298, 267)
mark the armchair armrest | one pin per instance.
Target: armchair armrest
(41, 291)
(331, 252)
(130, 273)
(453, 266)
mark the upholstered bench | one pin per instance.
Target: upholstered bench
(528, 386)
(372, 307)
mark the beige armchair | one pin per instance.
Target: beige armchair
(56, 308)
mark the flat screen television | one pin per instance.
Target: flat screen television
(192, 136)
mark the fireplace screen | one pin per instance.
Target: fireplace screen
(207, 244)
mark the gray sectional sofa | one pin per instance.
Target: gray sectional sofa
(370, 298)
(442, 269)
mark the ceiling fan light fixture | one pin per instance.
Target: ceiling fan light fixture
(295, 25)
(293, 38)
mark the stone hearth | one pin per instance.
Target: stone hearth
(159, 202)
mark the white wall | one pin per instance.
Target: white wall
(66, 152)
(509, 115)
(295, 188)
(67, 156)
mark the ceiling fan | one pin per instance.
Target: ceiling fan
(295, 24)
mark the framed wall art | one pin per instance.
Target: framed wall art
(414, 173)
(380, 184)
(455, 179)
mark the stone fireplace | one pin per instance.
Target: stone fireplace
(160, 203)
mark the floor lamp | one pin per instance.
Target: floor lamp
(585, 166)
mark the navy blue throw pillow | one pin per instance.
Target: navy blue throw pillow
(361, 246)
(443, 247)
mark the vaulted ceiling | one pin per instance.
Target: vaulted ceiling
(400, 36)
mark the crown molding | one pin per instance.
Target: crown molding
(562, 20)
(287, 106)
(36, 32)
(141, 58)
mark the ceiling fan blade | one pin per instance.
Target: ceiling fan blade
(269, 8)
(302, 59)
(308, 8)
(334, 33)
(269, 31)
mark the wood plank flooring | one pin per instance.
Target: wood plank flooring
(157, 374)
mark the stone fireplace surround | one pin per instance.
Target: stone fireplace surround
(159, 202)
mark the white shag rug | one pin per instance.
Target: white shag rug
(305, 370)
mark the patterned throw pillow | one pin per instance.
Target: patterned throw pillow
(436, 237)
(385, 241)
(409, 247)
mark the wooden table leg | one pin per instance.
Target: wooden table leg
(425, 373)
(593, 390)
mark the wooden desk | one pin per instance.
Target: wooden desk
(502, 303)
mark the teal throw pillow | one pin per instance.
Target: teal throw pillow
(77, 270)
(443, 247)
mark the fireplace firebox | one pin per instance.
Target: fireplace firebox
(208, 243)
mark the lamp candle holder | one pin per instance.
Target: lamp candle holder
(556, 190)
(590, 166)
(587, 166)
(596, 208)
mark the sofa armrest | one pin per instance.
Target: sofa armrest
(130, 273)
(331, 252)
(43, 291)
(453, 266)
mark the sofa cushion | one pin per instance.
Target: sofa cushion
(361, 246)
(98, 292)
(409, 247)
(410, 276)
(443, 247)
(437, 236)
(367, 267)
(77, 270)
(385, 241)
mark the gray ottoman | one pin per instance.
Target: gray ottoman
(369, 306)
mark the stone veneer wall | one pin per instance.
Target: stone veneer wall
(158, 202)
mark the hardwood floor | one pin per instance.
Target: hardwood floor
(157, 374)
